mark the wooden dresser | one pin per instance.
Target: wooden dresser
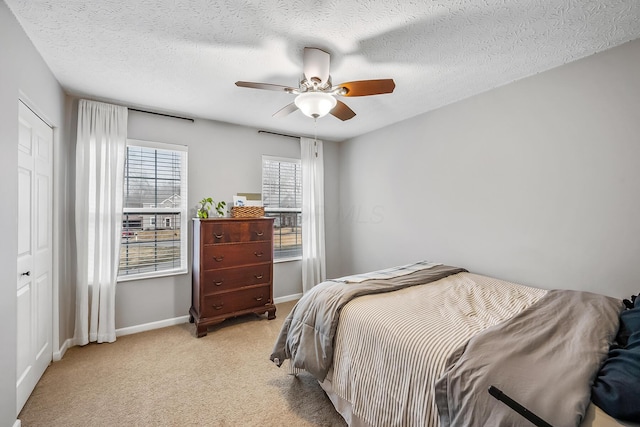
(232, 270)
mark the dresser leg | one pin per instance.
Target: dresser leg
(201, 331)
(271, 313)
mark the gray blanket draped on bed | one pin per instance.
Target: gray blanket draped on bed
(308, 332)
(545, 358)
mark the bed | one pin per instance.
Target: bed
(420, 345)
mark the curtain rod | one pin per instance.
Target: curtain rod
(278, 134)
(162, 114)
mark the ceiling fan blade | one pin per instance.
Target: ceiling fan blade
(265, 86)
(286, 110)
(315, 63)
(368, 87)
(342, 111)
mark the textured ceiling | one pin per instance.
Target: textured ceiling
(183, 56)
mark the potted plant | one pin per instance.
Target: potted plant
(206, 204)
(220, 207)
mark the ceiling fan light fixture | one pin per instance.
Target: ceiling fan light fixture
(315, 104)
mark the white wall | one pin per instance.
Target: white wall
(536, 182)
(23, 74)
(333, 239)
(224, 159)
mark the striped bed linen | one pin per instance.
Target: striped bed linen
(307, 335)
(391, 348)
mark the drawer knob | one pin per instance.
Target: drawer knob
(258, 276)
(218, 236)
(258, 254)
(218, 258)
(217, 283)
(259, 233)
(218, 307)
(259, 298)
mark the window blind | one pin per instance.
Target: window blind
(153, 240)
(282, 200)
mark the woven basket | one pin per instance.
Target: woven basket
(247, 211)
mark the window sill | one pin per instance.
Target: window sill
(279, 260)
(144, 276)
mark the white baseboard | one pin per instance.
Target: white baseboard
(151, 326)
(182, 319)
(18, 423)
(58, 355)
(286, 298)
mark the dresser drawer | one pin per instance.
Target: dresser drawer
(232, 255)
(240, 231)
(233, 278)
(228, 302)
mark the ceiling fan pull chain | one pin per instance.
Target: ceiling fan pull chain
(315, 135)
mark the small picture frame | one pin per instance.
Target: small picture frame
(239, 200)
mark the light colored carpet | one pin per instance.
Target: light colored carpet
(167, 377)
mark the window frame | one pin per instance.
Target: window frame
(183, 210)
(283, 210)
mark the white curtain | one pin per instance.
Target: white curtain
(313, 252)
(100, 156)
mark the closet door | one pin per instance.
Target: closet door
(34, 281)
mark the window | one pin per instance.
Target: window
(154, 222)
(282, 199)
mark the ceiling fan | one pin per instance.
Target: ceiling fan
(316, 95)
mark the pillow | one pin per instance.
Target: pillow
(617, 386)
